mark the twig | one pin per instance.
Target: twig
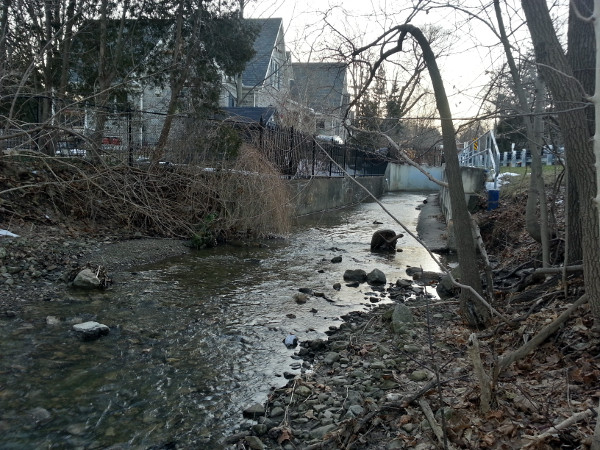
(437, 430)
(561, 426)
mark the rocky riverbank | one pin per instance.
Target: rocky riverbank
(37, 265)
(359, 385)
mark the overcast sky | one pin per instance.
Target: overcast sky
(464, 70)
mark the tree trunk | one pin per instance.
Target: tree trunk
(537, 176)
(475, 313)
(568, 95)
(536, 193)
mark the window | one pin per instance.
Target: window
(275, 80)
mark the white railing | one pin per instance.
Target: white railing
(482, 152)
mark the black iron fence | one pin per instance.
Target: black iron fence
(302, 155)
(207, 143)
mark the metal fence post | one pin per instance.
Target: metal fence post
(314, 155)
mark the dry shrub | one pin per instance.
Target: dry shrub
(254, 199)
(178, 200)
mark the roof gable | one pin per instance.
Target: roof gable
(257, 67)
(320, 86)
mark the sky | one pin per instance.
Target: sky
(465, 70)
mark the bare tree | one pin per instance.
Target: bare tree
(474, 311)
(569, 95)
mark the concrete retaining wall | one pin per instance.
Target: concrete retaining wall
(474, 184)
(407, 178)
(321, 194)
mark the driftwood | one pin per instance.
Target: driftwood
(482, 377)
(552, 270)
(535, 440)
(437, 430)
(538, 339)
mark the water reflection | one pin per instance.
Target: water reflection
(193, 339)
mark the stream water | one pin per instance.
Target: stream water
(193, 341)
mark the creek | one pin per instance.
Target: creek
(194, 339)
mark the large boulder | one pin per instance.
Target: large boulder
(384, 241)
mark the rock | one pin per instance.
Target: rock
(307, 291)
(395, 444)
(384, 241)
(3, 253)
(331, 357)
(402, 319)
(260, 429)
(254, 442)
(337, 259)
(412, 348)
(300, 298)
(427, 276)
(403, 283)
(354, 284)
(410, 271)
(89, 331)
(337, 286)
(445, 289)
(320, 432)
(276, 412)
(86, 279)
(52, 320)
(356, 275)
(256, 410)
(376, 276)
(40, 415)
(354, 411)
(77, 429)
(419, 375)
(303, 391)
(291, 341)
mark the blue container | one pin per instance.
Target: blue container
(493, 199)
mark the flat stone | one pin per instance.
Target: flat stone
(320, 432)
(91, 330)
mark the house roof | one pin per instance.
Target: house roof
(256, 70)
(320, 85)
(249, 114)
